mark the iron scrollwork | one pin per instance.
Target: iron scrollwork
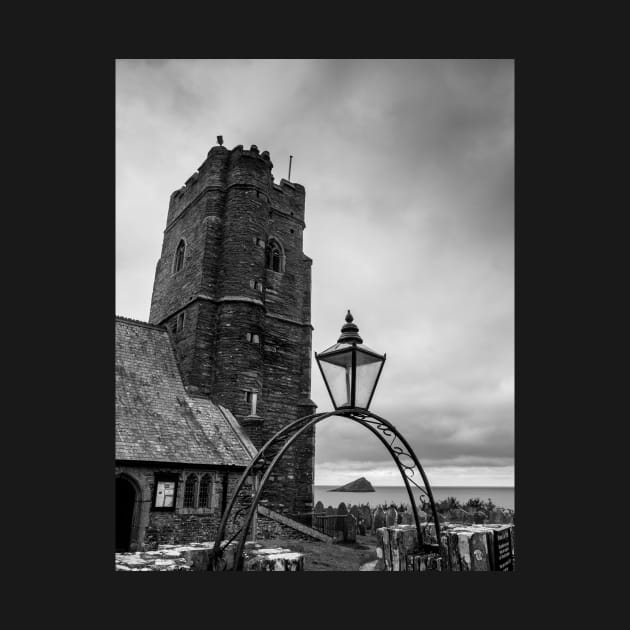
(272, 451)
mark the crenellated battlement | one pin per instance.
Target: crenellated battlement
(224, 168)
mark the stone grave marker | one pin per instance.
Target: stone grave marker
(366, 513)
(379, 519)
(479, 551)
(391, 517)
(382, 540)
(358, 517)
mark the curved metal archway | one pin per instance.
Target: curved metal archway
(272, 451)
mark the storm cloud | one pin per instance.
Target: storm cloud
(408, 167)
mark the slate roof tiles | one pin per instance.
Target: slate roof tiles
(156, 418)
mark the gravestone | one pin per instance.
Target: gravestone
(480, 517)
(350, 528)
(383, 550)
(452, 545)
(379, 519)
(358, 518)
(407, 518)
(391, 517)
(319, 508)
(469, 551)
(330, 511)
(398, 549)
(366, 513)
(408, 545)
(479, 551)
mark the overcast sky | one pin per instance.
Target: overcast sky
(408, 167)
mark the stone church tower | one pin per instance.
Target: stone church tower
(234, 287)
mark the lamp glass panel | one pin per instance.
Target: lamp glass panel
(367, 372)
(338, 376)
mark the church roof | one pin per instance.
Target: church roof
(156, 419)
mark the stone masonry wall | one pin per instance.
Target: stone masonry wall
(183, 525)
(267, 529)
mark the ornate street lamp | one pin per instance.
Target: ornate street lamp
(350, 369)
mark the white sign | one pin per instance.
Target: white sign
(165, 494)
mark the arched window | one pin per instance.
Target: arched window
(204, 491)
(190, 491)
(275, 257)
(179, 256)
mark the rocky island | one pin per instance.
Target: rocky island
(358, 485)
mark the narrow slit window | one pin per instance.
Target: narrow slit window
(179, 256)
(179, 324)
(252, 399)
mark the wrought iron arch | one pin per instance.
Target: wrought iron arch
(272, 451)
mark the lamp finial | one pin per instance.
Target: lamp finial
(349, 331)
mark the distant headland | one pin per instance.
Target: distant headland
(358, 485)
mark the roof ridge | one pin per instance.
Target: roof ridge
(140, 323)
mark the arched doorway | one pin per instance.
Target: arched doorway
(125, 504)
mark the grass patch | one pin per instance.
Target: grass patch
(321, 556)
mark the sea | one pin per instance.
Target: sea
(502, 497)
